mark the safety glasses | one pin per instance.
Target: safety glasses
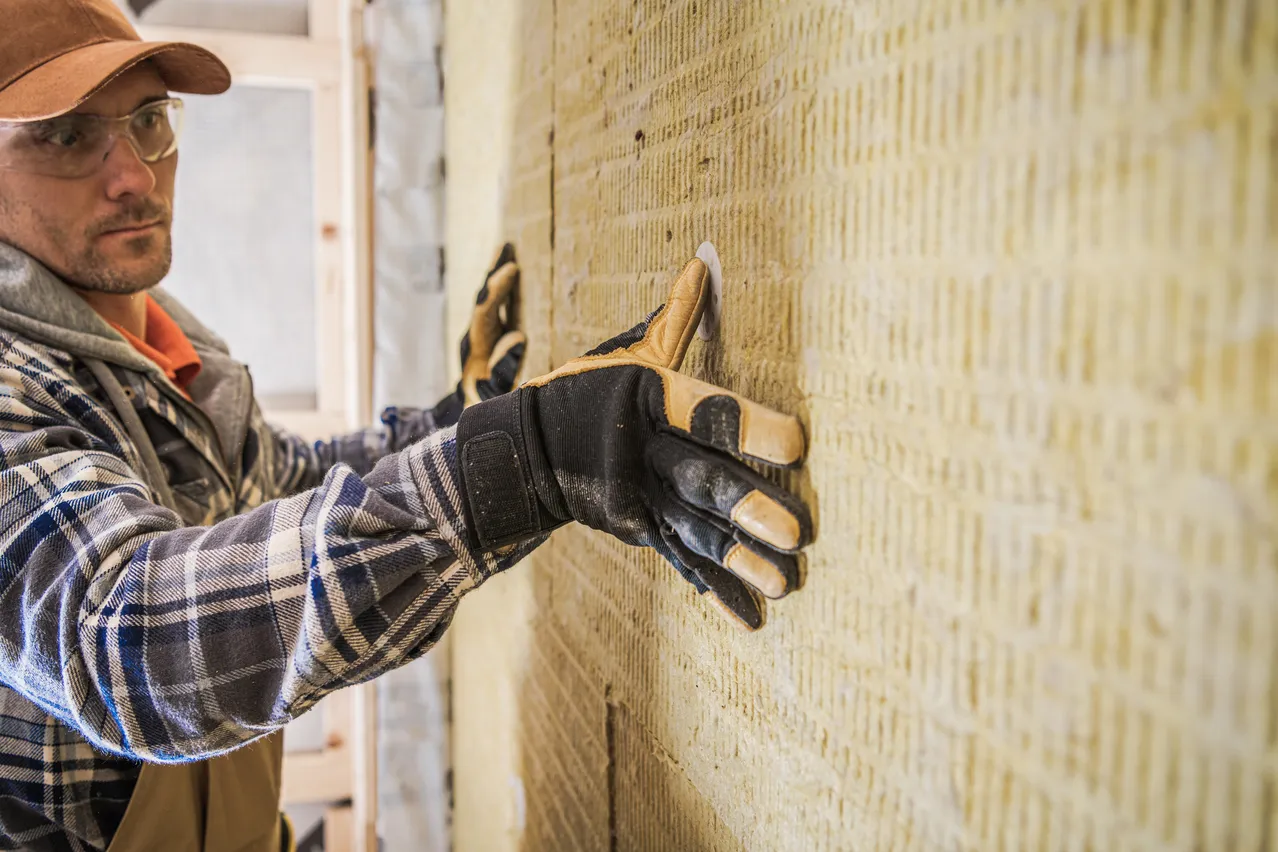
(75, 145)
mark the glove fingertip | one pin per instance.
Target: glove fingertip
(504, 256)
(776, 519)
(507, 255)
(775, 574)
(747, 619)
(725, 590)
(748, 430)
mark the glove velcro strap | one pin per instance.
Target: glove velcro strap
(500, 499)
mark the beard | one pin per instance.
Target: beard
(152, 256)
(136, 264)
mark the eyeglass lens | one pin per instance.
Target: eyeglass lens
(75, 145)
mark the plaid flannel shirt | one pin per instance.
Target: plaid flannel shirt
(131, 632)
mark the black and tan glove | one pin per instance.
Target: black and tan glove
(620, 441)
(492, 350)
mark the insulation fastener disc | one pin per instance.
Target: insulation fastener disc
(714, 311)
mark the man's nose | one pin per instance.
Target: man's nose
(124, 171)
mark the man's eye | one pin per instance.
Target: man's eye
(62, 137)
(150, 120)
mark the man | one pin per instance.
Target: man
(178, 580)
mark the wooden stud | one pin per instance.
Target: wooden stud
(324, 775)
(317, 776)
(364, 767)
(357, 166)
(339, 834)
(357, 182)
(331, 243)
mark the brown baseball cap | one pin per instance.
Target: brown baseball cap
(56, 54)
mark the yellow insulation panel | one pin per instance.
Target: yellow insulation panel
(1013, 264)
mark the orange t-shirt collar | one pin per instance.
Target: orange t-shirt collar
(167, 345)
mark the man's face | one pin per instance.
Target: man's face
(111, 231)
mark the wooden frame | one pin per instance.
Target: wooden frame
(332, 63)
(256, 59)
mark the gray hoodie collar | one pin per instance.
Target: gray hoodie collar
(38, 305)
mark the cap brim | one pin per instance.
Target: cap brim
(62, 84)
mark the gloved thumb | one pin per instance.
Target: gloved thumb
(498, 292)
(670, 332)
(662, 339)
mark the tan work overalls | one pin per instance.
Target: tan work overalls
(227, 804)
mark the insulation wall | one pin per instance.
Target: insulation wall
(1013, 265)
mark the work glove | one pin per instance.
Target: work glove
(621, 442)
(492, 350)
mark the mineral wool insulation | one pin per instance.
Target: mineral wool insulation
(1013, 265)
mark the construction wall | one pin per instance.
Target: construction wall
(1013, 264)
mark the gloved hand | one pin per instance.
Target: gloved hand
(492, 350)
(621, 442)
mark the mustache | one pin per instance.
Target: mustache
(141, 212)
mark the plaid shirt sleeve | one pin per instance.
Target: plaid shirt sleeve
(300, 464)
(169, 644)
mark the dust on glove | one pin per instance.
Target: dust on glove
(620, 441)
(492, 350)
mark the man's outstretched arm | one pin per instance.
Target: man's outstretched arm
(168, 643)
